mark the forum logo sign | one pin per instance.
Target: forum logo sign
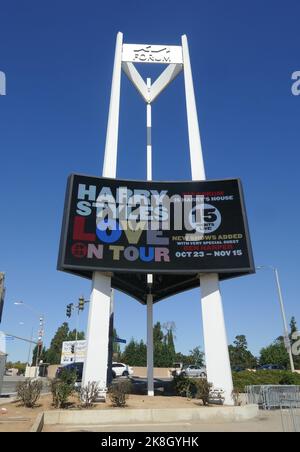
(2, 84)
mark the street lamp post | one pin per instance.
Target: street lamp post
(287, 341)
(40, 331)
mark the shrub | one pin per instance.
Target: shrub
(119, 392)
(68, 376)
(184, 386)
(289, 379)
(89, 394)
(203, 390)
(63, 387)
(61, 392)
(29, 392)
(236, 397)
(263, 377)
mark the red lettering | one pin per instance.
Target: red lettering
(79, 231)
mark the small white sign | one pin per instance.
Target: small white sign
(73, 351)
(145, 53)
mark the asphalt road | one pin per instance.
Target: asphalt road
(10, 385)
(140, 384)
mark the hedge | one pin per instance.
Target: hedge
(264, 377)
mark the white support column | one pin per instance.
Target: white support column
(101, 306)
(111, 145)
(95, 368)
(215, 338)
(196, 155)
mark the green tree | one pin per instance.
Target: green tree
(161, 356)
(72, 336)
(197, 356)
(294, 329)
(293, 326)
(142, 354)
(240, 355)
(129, 354)
(17, 365)
(42, 357)
(53, 355)
(135, 354)
(116, 345)
(275, 354)
(171, 347)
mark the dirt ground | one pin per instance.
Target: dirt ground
(16, 418)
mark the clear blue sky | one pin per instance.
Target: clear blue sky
(58, 58)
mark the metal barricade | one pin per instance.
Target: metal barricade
(269, 397)
(290, 416)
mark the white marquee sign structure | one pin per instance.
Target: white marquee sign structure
(101, 306)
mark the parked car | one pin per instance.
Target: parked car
(118, 370)
(271, 367)
(121, 370)
(194, 371)
(238, 369)
(11, 372)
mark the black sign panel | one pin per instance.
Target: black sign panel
(174, 230)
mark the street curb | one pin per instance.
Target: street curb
(137, 416)
(38, 424)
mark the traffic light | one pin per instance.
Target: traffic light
(81, 304)
(69, 310)
(73, 349)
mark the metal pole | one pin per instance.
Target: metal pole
(76, 334)
(150, 360)
(149, 135)
(214, 330)
(39, 345)
(111, 340)
(150, 379)
(286, 330)
(30, 348)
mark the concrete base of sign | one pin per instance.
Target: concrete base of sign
(142, 416)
